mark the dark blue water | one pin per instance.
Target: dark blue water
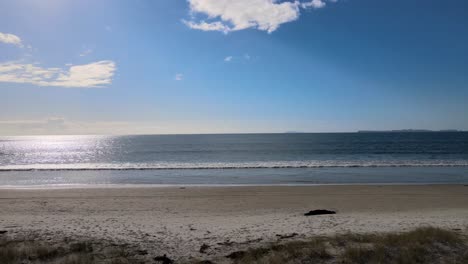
(236, 159)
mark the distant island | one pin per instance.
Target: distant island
(392, 131)
(409, 131)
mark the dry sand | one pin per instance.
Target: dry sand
(177, 221)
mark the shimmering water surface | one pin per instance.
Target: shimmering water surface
(235, 159)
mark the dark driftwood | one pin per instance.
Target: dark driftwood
(287, 235)
(319, 212)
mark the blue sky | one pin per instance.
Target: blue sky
(220, 66)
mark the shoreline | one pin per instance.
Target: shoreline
(182, 185)
(260, 177)
(178, 220)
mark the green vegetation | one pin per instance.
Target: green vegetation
(423, 245)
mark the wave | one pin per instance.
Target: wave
(230, 165)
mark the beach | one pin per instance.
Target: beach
(233, 132)
(178, 220)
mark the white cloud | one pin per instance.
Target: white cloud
(231, 58)
(266, 15)
(229, 15)
(314, 4)
(179, 77)
(96, 74)
(204, 26)
(10, 39)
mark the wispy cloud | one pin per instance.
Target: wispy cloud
(228, 15)
(204, 26)
(10, 39)
(179, 77)
(314, 4)
(245, 57)
(92, 75)
(86, 52)
(63, 126)
(33, 126)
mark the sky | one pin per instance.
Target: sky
(225, 66)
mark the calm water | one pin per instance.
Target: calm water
(236, 159)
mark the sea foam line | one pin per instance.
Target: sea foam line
(232, 166)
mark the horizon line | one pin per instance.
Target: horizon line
(256, 133)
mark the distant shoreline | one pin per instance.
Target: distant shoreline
(411, 131)
(9, 136)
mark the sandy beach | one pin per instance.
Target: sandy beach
(178, 220)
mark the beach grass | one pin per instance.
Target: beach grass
(422, 245)
(29, 249)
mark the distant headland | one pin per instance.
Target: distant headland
(409, 131)
(392, 131)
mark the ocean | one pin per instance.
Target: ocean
(235, 159)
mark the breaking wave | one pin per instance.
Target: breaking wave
(231, 165)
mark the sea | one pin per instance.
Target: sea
(234, 159)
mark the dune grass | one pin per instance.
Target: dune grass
(30, 250)
(423, 245)
(420, 246)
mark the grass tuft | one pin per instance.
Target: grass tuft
(313, 251)
(28, 250)
(423, 245)
(420, 246)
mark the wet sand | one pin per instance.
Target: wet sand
(177, 221)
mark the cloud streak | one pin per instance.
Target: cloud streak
(86, 52)
(92, 75)
(179, 77)
(10, 39)
(63, 126)
(227, 15)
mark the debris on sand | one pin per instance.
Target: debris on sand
(163, 259)
(319, 212)
(142, 252)
(236, 255)
(287, 235)
(226, 243)
(203, 248)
